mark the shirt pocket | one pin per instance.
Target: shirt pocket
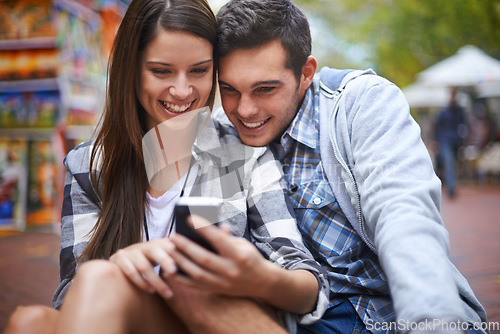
(320, 220)
(315, 195)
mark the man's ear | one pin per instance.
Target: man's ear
(308, 71)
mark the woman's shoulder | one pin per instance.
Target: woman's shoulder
(78, 159)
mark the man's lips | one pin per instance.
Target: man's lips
(253, 125)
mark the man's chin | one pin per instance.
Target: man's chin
(254, 142)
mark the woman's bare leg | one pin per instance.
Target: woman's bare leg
(102, 300)
(36, 319)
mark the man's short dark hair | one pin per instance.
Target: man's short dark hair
(246, 24)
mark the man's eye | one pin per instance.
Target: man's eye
(265, 89)
(228, 89)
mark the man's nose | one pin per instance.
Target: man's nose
(247, 108)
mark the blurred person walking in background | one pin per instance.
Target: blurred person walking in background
(450, 131)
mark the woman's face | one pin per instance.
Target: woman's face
(176, 72)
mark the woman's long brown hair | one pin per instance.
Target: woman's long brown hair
(120, 179)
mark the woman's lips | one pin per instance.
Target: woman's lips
(176, 108)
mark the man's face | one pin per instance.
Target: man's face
(259, 94)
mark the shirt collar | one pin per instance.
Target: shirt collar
(304, 127)
(207, 141)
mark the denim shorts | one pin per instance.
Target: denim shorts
(339, 319)
(343, 319)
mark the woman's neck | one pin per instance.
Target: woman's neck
(164, 180)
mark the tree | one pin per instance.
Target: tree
(401, 38)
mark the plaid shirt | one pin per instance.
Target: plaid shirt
(354, 269)
(248, 180)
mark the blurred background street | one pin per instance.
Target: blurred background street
(53, 60)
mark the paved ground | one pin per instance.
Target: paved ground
(473, 221)
(29, 271)
(29, 261)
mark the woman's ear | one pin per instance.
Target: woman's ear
(308, 71)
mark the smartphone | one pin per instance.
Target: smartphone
(206, 207)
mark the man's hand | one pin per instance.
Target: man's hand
(238, 268)
(205, 312)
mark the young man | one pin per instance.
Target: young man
(360, 178)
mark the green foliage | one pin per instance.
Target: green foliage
(402, 37)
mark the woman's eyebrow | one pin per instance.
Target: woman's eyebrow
(158, 63)
(168, 64)
(203, 62)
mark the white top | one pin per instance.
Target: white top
(161, 209)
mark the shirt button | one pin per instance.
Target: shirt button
(317, 201)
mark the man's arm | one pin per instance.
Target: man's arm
(240, 270)
(400, 197)
(204, 312)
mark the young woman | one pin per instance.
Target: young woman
(162, 70)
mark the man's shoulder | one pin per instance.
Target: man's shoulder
(332, 79)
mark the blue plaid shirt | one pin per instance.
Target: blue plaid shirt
(353, 268)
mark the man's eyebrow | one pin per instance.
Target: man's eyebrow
(167, 64)
(266, 82)
(260, 83)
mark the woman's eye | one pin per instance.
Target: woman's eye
(160, 71)
(200, 70)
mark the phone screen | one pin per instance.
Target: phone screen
(206, 207)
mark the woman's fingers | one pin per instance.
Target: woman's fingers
(147, 271)
(159, 255)
(138, 261)
(131, 271)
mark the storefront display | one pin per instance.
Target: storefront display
(53, 59)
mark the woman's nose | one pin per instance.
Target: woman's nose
(181, 88)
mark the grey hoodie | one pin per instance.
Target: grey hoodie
(391, 195)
